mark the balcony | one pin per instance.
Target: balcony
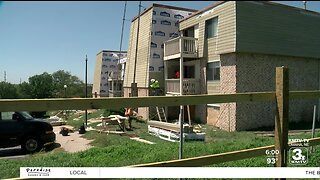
(186, 47)
(189, 86)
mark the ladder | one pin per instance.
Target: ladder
(161, 113)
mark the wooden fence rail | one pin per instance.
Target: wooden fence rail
(118, 102)
(218, 158)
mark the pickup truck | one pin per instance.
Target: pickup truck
(20, 128)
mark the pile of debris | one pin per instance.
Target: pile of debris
(56, 121)
(171, 131)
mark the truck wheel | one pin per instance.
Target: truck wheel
(31, 145)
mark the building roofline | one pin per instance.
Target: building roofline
(163, 6)
(204, 9)
(291, 7)
(266, 2)
(111, 51)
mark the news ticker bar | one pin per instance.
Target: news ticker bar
(169, 172)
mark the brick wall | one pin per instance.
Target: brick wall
(245, 72)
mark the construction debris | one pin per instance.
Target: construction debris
(56, 121)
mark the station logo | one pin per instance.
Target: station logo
(298, 152)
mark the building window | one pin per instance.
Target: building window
(174, 35)
(154, 21)
(176, 24)
(161, 68)
(212, 27)
(213, 71)
(165, 22)
(156, 56)
(178, 16)
(188, 72)
(159, 33)
(154, 12)
(189, 32)
(154, 45)
(164, 14)
(151, 68)
(162, 45)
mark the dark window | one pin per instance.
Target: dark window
(153, 45)
(213, 71)
(104, 66)
(151, 68)
(178, 16)
(162, 45)
(159, 33)
(164, 14)
(112, 66)
(211, 27)
(151, 33)
(154, 21)
(189, 32)
(189, 13)
(161, 68)
(176, 24)
(154, 12)
(174, 35)
(188, 71)
(165, 22)
(155, 55)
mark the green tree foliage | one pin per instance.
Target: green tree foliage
(8, 91)
(45, 85)
(24, 90)
(41, 86)
(75, 87)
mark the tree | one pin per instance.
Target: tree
(8, 91)
(24, 90)
(75, 87)
(41, 86)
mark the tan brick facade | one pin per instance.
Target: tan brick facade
(245, 72)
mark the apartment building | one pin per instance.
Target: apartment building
(234, 47)
(107, 74)
(158, 24)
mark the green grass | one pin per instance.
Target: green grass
(114, 150)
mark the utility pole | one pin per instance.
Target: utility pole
(5, 76)
(134, 91)
(123, 19)
(86, 89)
(305, 4)
(119, 78)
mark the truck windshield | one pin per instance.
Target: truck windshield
(26, 115)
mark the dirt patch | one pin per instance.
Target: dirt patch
(74, 142)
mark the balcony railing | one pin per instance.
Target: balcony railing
(181, 47)
(189, 86)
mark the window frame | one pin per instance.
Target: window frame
(213, 26)
(213, 73)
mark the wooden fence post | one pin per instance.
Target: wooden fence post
(282, 115)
